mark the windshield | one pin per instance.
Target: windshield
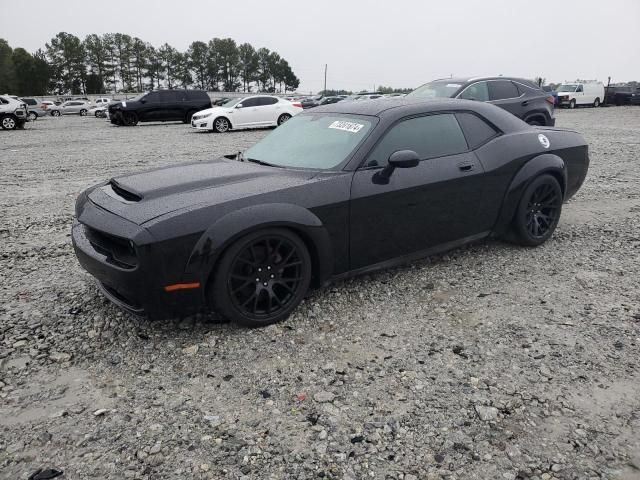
(231, 102)
(436, 90)
(311, 141)
(567, 88)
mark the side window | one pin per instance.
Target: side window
(429, 136)
(167, 96)
(4, 101)
(475, 129)
(250, 102)
(476, 91)
(179, 96)
(579, 89)
(152, 97)
(501, 89)
(30, 101)
(267, 101)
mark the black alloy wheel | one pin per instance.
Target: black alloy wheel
(539, 211)
(129, 119)
(221, 125)
(83, 112)
(55, 113)
(283, 118)
(262, 278)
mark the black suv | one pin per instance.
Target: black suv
(618, 94)
(159, 106)
(523, 98)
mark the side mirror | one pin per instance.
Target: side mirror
(239, 105)
(404, 159)
(399, 159)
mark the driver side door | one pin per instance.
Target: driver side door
(248, 114)
(419, 208)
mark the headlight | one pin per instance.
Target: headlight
(200, 117)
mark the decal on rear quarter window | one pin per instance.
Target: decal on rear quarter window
(453, 85)
(544, 141)
(346, 126)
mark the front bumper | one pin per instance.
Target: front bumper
(202, 124)
(136, 283)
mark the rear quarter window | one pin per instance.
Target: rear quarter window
(476, 130)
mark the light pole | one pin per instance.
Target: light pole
(325, 78)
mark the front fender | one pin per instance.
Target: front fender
(238, 223)
(545, 163)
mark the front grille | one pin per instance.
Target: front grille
(119, 251)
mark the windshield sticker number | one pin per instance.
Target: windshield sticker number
(347, 126)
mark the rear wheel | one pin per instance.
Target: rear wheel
(83, 112)
(221, 125)
(8, 122)
(572, 103)
(261, 278)
(33, 116)
(539, 211)
(55, 113)
(187, 119)
(283, 118)
(596, 102)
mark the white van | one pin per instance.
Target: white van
(580, 93)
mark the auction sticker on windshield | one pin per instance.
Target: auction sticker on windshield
(346, 126)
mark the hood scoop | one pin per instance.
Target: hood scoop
(115, 190)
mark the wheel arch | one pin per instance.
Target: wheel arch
(546, 163)
(215, 241)
(226, 118)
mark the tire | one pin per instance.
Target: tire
(283, 118)
(190, 114)
(95, 114)
(572, 104)
(596, 103)
(55, 113)
(261, 278)
(83, 113)
(8, 122)
(33, 116)
(221, 125)
(129, 119)
(538, 212)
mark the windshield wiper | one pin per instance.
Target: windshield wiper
(260, 162)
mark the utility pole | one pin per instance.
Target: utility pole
(325, 78)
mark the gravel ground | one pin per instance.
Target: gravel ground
(489, 362)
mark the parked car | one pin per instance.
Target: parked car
(518, 96)
(330, 100)
(580, 93)
(247, 112)
(309, 102)
(159, 106)
(549, 90)
(13, 113)
(221, 101)
(618, 95)
(52, 108)
(365, 96)
(635, 98)
(340, 190)
(101, 101)
(94, 109)
(35, 108)
(73, 107)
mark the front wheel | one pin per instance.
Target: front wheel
(55, 113)
(572, 104)
(596, 103)
(8, 122)
(539, 211)
(283, 118)
(83, 113)
(129, 119)
(261, 278)
(221, 125)
(190, 114)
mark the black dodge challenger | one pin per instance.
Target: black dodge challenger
(336, 191)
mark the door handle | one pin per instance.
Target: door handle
(525, 103)
(466, 167)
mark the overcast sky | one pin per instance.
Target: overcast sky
(367, 43)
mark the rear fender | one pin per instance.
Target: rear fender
(545, 163)
(214, 241)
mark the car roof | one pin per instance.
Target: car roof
(399, 107)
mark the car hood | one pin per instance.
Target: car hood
(215, 110)
(565, 94)
(141, 197)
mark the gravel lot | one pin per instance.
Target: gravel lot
(489, 362)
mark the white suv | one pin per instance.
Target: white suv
(13, 113)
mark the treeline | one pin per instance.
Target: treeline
(116, 62)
